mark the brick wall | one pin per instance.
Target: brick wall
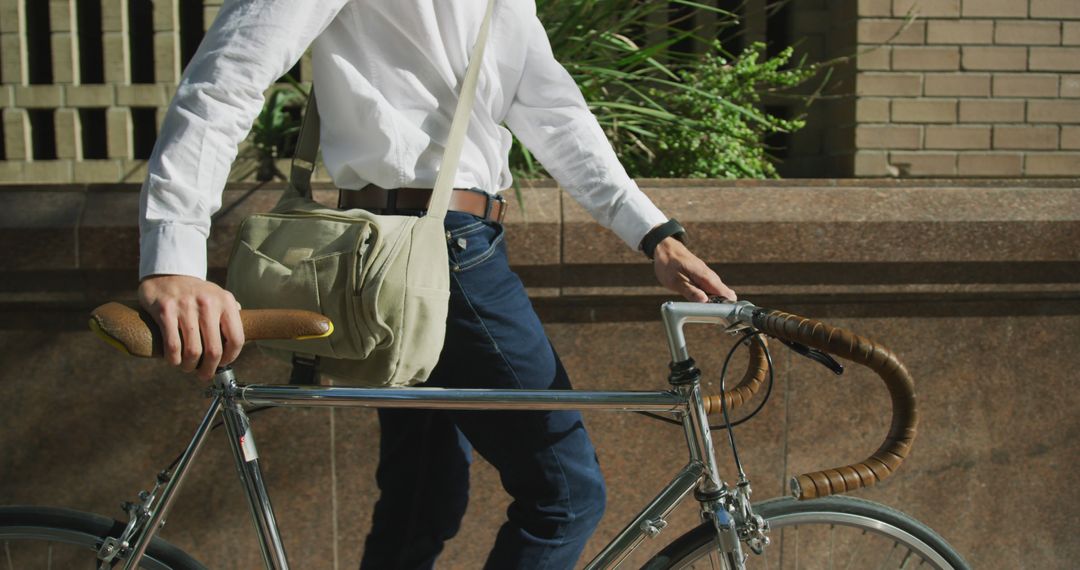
(968, 88)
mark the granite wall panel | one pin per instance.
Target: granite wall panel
(977, 293)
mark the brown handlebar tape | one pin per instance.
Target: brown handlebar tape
(134, 332)
(882, 361)
(756, 370)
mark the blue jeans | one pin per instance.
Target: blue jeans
(545, 459)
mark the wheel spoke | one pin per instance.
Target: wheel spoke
(797, 544)
(858, 548)
(887, 558)
(907, 559)
(861, 534)
(832, 542)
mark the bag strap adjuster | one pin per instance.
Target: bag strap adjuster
(305, 370)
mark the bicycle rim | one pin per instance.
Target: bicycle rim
(836, 532)
(36, 538)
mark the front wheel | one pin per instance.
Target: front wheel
(34, 538)
(832, 532)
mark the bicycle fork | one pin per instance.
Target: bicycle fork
(149, 516)
(712, 493)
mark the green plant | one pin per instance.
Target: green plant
(273, 134)
(711, 141)
(667, 112)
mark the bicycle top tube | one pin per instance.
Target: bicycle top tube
(460, 398)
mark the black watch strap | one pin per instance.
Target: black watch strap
(670, 228)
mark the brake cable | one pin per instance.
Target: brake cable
(755, 335)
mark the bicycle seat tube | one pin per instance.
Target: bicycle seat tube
(246, 457)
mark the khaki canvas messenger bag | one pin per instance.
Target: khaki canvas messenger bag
(382, 279)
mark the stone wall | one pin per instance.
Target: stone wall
(968, 88)
(975, 285)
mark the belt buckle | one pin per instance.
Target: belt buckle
(489, 205)
(502, 207)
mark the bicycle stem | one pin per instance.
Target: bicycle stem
(676, 314)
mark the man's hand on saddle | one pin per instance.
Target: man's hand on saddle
(199, 321)
(678, 269)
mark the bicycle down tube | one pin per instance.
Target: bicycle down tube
(647, 523)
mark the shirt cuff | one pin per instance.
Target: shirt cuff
(172, 249)
(635, 217)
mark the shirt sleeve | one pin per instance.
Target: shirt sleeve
(250, 44)
(551, 118)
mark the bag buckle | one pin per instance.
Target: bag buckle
(304, 370)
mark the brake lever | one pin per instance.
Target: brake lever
(816, 355)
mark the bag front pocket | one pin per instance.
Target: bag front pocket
(261, 282)
(331, 284)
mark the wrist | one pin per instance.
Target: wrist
(667, 247)
(660, 234)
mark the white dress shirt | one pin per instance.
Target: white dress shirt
(388, 74)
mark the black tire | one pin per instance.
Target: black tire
(42, 531)
(863, 521)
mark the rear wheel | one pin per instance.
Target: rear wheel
(43, 538)
(832, 532)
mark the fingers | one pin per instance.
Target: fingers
(190, 335)
(681, 271)
(166, 317)
(690, 292)
(710, 282)
(210, 329)
(232, 331)
(199, 321)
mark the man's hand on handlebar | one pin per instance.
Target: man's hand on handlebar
(684, 273)
(199, 321)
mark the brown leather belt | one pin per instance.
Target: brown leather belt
(395, 200)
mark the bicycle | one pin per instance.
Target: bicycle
(733, 534)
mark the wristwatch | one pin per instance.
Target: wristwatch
(670, 228)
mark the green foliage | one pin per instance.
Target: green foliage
(668, 113)
(273, 134)
(712, 141)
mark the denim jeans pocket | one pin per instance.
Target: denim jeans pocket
(472, 241)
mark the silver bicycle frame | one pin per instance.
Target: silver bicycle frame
(683, 400)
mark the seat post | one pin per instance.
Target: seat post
(246, 456)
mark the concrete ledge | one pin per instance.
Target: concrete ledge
(794, 241)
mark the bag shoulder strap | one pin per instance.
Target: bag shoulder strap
(307, 144)
(307, 147)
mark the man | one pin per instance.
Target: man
(388, 74)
